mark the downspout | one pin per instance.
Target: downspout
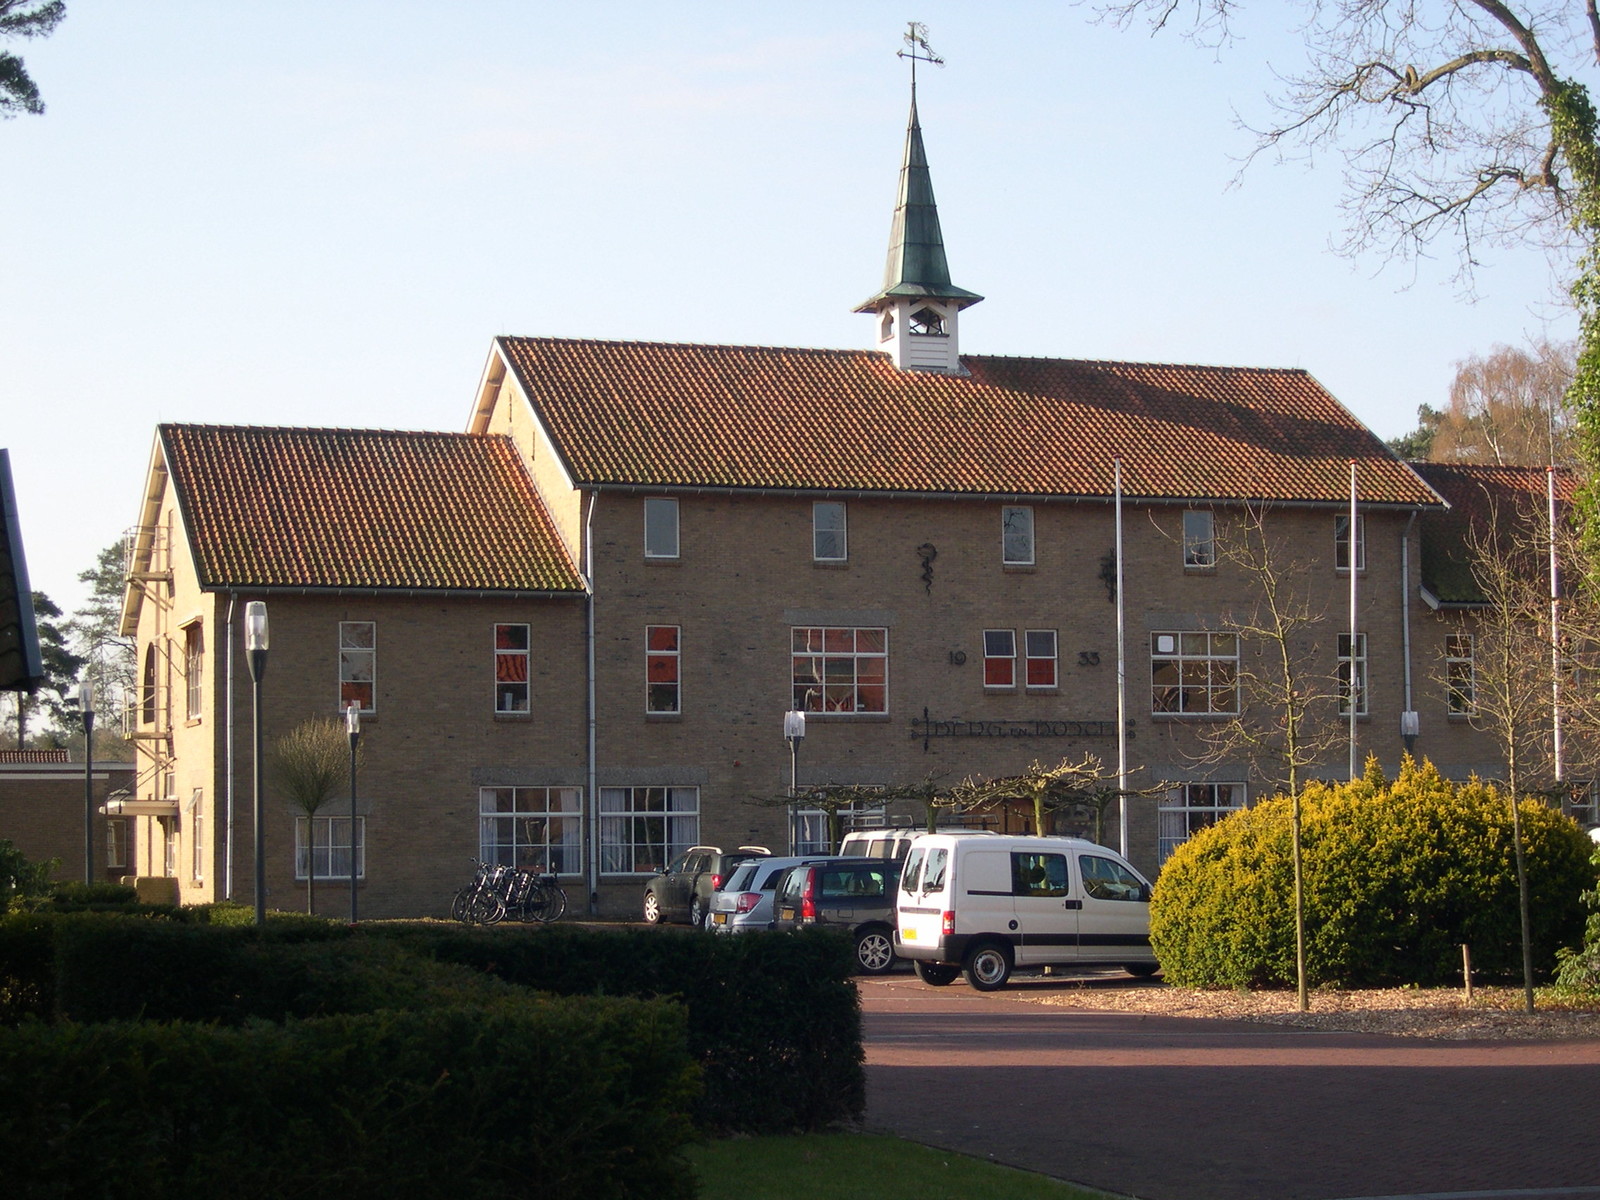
(227, 814)
(1410, 726)
(592, 866)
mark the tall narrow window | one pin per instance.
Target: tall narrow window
(661, 669)
(660, 527)
(147, 687)
(197, 829)
(1194, 673)
(1040, 648)
(828, 543)
(193, 669)
(1460, 675)
(1341, 542)
(999, 658)
(511, 668)
(1359, 662)
(840, 670)
(1199, 540)
(1016, 535)
(358, 664)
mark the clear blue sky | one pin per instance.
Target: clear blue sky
(320, 213)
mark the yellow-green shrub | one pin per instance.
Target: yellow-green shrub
(1396, 877)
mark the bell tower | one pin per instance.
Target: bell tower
(918, 309)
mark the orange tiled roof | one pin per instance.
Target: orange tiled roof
(1485, 500)
(33, 756)
(361, 508)
(642, 414)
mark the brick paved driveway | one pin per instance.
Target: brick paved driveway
(1178, 1109)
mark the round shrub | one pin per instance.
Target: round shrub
(1396, 876)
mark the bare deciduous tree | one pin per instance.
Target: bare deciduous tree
(307, 765)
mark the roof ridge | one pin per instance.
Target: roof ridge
(364, 431)
(634, 343)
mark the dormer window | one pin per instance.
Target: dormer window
(928, 321)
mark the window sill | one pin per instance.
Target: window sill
(666, 718)
(1192, 570)
(1019, 568)
(191, 722)
(831, 564)
(662, 562)
(514, 718)
(1043, 690)
(1208, 718)
(847, 716)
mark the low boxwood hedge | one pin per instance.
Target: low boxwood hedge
(519, 1096)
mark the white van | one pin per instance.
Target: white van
(985, 905)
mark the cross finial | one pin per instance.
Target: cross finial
(916, 39)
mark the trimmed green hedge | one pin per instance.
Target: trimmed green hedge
(512, 1098)
(773, 1019)
(1396, 877)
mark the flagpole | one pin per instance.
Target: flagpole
(1122, 676)
(1555, 626)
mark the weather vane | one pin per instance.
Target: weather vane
(917, 39)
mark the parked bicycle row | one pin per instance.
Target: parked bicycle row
(500, 893)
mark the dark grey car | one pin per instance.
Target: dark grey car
(682, 892)
(857, 894)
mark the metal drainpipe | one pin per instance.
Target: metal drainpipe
(1410, 739)
(227, 816)
(593, 865)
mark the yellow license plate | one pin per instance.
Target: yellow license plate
(786, 915)
(908, 935)
(719, 918)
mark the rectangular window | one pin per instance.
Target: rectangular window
(840, 669)
(194, 669)
(661, 680)
(358, 664)
(660, 527)
(1199, 540)
(169, 846)
(1194, 673)
(1360, 674)
(330, 852)
(1190, 807)
(1341, 542)
(117, 860)
(1040, 648)
(1460, 675)
(197, 828)
(531, 828)
(999, 658)
(642, 829)
(828, 543)
(1016, 535)
(511, 668)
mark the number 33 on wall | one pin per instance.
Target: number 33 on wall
(1088, 658)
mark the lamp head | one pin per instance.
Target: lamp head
(255, 625)
(352, 719)
(794, 725)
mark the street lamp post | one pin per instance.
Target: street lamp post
(86, 707)
(794, 732)
(255, 642)
(352, 722)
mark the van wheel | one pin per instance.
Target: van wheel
(935, 974)
(988, 967)
(874, 952)
(1141, 970)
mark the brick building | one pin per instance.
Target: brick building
(574, 629)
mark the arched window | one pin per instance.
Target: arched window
(147, 695)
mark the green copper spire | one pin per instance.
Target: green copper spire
(917, 266)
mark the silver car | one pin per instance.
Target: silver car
(744, 902)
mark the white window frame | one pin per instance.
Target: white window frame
(1363, 681)
(661, 527)
(808, 830)
(197, 828)
(356, 659)
(1203, 664)
(1016, 535)
(1000, 653)
(1185, 803)
(654, 657)
(830, 533)
(327, 844)
(194, 661)
(642, 829)
(119, 839)
(532, 828)
(1460, 675)
(830, 678)
(1199, 540)
(506, 658)
(1341, 542)
(1034, 644)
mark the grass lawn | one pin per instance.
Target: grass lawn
(856, 1166)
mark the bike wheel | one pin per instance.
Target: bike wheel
(461, 904)
(487, 908)
(555, 903)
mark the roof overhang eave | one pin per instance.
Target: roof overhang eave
(576, 592)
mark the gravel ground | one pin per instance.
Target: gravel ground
(1494, 1014)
